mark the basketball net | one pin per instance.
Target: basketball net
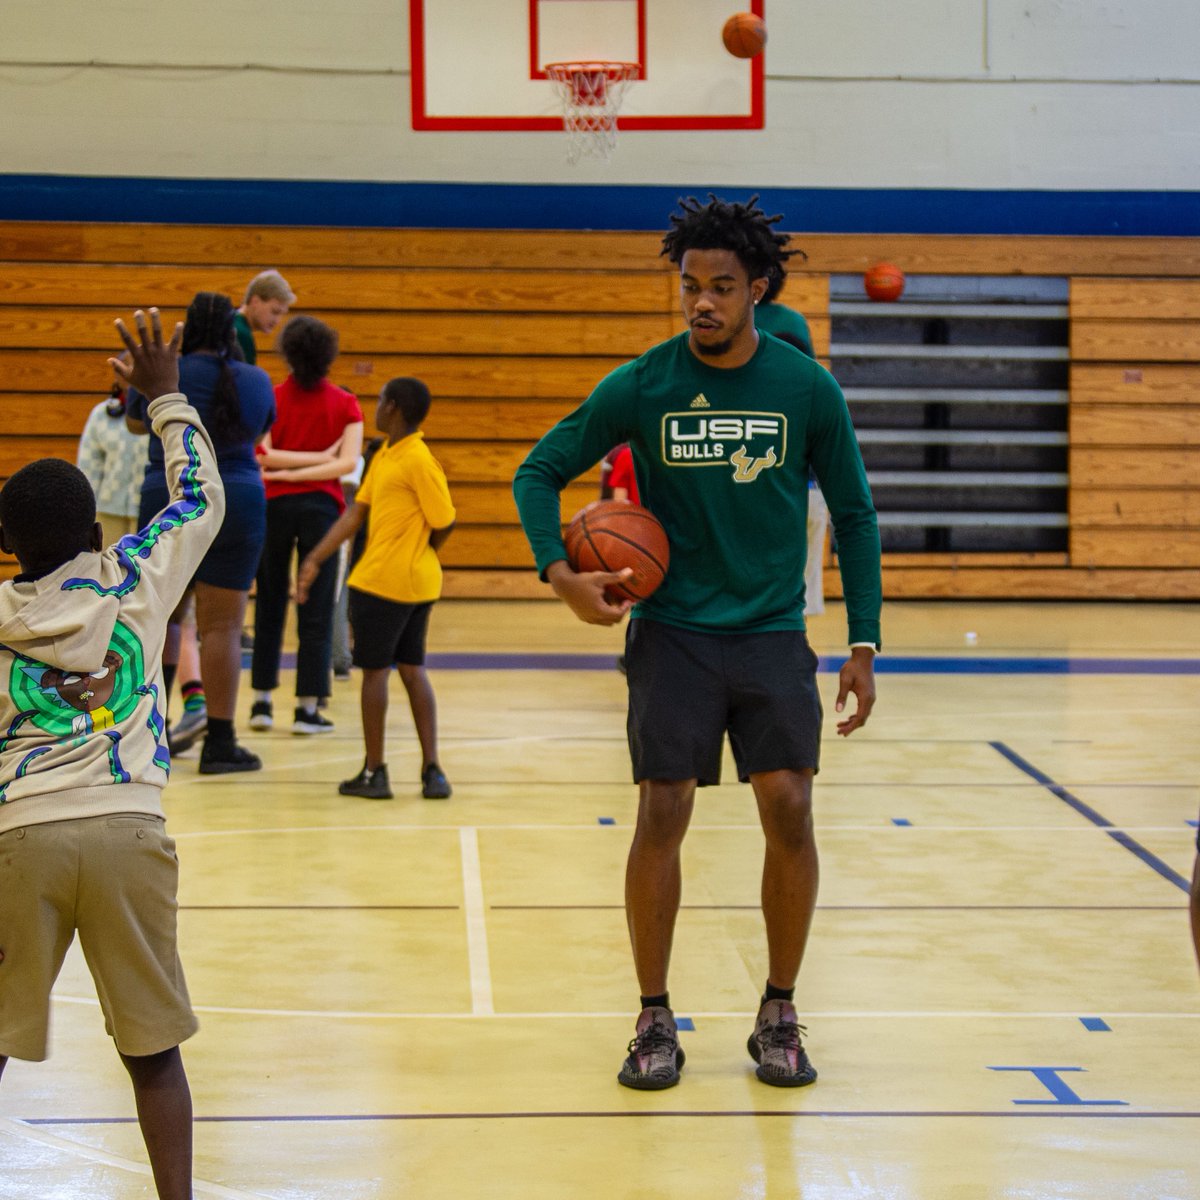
(590, 94)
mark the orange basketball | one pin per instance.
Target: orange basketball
(610, 535)
(744, 35)
(884, 281)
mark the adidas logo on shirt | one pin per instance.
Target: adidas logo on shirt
(700, 402)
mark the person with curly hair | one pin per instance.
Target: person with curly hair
(237, 405)
(316, 439)
(723, 424)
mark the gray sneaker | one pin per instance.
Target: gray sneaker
(654, 1054)
(775, 1045)
(190, 727)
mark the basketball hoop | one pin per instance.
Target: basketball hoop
(591, 95)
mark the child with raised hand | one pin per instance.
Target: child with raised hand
(83, 848)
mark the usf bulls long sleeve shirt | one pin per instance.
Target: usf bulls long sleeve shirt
(722, 458)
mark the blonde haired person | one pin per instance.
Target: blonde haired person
(268, 298)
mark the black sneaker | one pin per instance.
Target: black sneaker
(368, 783)
(434, 784)
(223, 758)
(262, 716)
(775, 1045)
(654, 1054)
(307, 722)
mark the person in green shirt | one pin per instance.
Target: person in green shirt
(772, 317)
(268, 299)
(724, 425)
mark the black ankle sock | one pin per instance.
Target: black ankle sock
(663, 1001)
(220, 731)
(775, 993)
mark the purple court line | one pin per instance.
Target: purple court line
(866, 1114)
(1122, 839)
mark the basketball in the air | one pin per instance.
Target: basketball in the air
(610, 535)
(744, 35)
(884, 281)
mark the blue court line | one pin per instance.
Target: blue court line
(1095, 1024)
(1066, 1111)
(901, 821)
(885, 664)
(1150, 859)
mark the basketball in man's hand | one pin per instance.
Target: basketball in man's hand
(610, 535)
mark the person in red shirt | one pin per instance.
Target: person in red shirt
(621, 478)
(316, 439)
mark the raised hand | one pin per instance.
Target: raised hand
(153, 367)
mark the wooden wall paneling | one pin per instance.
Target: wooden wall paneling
(1135, 299)
(1125, 466)
(1169, 508)
(121, 287)
(493, 504)
(1143, 383)
(1158, 547)
(1134, 340)
(1134, 425)
(256, 247)
(15, 452)
(46, 413)
(954, 254)
(544, 334)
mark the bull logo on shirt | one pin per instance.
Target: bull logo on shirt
(750, 443)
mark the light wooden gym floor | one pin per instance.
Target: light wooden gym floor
(423, 1000)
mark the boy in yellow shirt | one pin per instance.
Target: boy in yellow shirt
(394, 584)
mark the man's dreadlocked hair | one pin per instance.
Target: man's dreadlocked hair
(208, 327)
(742, 228)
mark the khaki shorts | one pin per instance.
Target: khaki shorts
(113, 879)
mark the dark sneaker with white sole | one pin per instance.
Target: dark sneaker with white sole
(654, 1054)
(262, 716)
(306, 722)
(369, 783)
(776, 1046)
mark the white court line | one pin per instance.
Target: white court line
(477, 945)
(356, 754)
(884, 823)
(33, 1133)
(623, 1014)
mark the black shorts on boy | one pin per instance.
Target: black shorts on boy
(387, 632)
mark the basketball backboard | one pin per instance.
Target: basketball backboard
(479, 64)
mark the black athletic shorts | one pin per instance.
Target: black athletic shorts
(686, 690)
(386, 632)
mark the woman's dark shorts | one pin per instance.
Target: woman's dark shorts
(232, 559)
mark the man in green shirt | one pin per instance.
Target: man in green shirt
(267, 300)
(724, 425)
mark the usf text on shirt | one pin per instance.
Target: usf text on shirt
(81, 697)
(722, 458)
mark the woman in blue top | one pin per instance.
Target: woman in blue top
(236, 402)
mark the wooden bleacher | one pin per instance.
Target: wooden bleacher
(512, 328)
